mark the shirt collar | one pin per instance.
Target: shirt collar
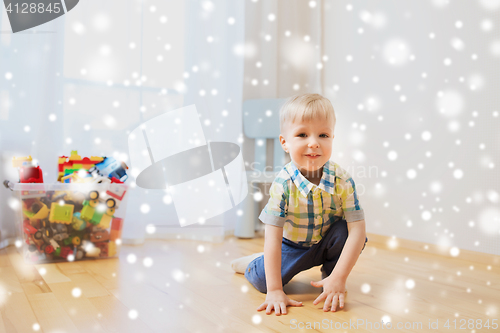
(326, 183)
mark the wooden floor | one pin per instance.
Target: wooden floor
(188, 286)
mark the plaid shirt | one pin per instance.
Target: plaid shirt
(309, 209)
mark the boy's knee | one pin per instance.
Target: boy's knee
(256, 278)
(262, 289)
(259, 284)
(340, 231)
(336, 239)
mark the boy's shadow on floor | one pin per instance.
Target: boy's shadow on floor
(303, 291)
(300, 288)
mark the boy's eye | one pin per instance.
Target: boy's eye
(324, 135)
(302, 135)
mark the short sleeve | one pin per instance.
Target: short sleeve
(276, 209)
(349, 197)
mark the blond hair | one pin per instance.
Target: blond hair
(308, 107)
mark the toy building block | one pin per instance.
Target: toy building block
(37, 211)
(61, 213)
(105, 221)
(87, 212)
(110, 167)
(28, 228)
(112, 249)
(99, 236)
(104, 248)
(18, 161)
(115, 191)
(90, 249)
(79, 253)
(76, 240)
(91, 214)
(65, 252)
(30, 174)
(60, 231)
(78, 223)
(49, 249)
(96, 218)
(54, 245)
(93, 252)
(116, 228)
(75, 163)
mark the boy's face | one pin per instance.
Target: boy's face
(309, 143)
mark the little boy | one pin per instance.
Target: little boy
(313, 216)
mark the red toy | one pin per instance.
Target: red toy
(30, 174)
(104, 248)
(65, 252)
(116, 228)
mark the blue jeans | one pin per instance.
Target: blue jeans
(296, 258)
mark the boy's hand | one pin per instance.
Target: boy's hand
(278, 300)
(333, 290)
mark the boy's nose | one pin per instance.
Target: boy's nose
(313, 144)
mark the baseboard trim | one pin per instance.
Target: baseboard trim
(391, 242)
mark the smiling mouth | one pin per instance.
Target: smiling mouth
(313, 155)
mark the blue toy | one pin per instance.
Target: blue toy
(110, 168)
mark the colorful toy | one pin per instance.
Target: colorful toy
(112, 249)
(36, 210)
(110, 167)
(116, 229)
(30, 174)
(60, 231)
(33, 243)
(90, 249)
(112, 197)
(75, 163)
(78, 223)
(96, 213)
(68, 224)
(99, 235)
(103, 246)
(65, 252)
(45, 233)
(61, 213)
(17, 162)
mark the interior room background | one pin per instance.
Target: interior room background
(413, 84)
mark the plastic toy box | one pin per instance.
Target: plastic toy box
(67, 222)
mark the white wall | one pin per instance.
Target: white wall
(418, 113)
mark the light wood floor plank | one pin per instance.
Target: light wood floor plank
(114, 316)
(81, 311)
(4, 258)
(161, 311)
(25, 272)
(50, 313)
(52, 274)
(9, 281)
(2, 326)
(190, 287)
(105, 271)
(88, 285)
(17, 314)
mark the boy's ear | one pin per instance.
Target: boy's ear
(283, 143)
